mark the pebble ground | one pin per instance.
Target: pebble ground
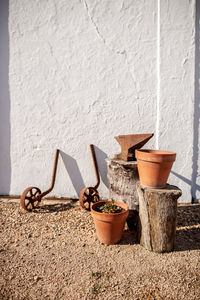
(53, 253)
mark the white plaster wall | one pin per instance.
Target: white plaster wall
(82, 72)
(177, 82)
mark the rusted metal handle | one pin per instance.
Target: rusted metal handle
(53, 175)
(95, 166)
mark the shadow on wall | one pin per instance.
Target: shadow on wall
(188, 181)
(73, 171)
(5, 163)
(196, 123)
(101, 156)
(195, 187)
(75, 174)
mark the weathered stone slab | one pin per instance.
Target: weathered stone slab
(157, 214)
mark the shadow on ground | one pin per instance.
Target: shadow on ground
(187, 231)
(51, 208)
(188, 228)
(187, 239)
(129, 238)
(188, 215)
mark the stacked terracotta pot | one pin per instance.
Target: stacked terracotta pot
(154, 166)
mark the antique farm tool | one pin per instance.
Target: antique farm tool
(32, 196)
(129, 143)
(90, 195)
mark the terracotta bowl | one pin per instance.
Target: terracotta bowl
(109, 227)
(154, 166)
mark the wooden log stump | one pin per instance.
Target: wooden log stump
(122, 179)
(157, 213)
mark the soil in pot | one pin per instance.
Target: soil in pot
(109, 207)
(109, 219)
(154, 166)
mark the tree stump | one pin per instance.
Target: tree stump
(122, 179)
(157, 213)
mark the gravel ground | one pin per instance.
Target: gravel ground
(53, 253)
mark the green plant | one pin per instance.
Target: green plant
(110, 207)
(96, 274)
(96, 288)
(99, 283)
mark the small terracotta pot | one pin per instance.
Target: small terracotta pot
(154, 166)
(109, 227)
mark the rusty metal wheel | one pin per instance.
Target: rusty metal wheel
(88, 196)
(30, 198)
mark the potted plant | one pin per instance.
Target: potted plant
(109, 219)
(154, 166)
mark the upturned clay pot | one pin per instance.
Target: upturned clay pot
(109, 227)
(154, 166)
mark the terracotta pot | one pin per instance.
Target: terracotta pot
(154, 166)
(109, 227)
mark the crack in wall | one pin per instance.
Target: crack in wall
(108, 47)
(99, 33)
(55, 14)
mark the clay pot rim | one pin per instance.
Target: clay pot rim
(153, 152)
(156, 156)
(123, 205)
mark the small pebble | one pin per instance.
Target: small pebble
(37, 278)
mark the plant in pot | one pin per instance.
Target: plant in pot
(109, 219)
(154, 166)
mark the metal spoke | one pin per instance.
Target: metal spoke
(95, 199)
(35, 193)
(30, 198)
(85, 194)
(91, 192)
(86, 200)
(27, 204)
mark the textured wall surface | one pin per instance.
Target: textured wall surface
(177, 81)
(84, 71)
